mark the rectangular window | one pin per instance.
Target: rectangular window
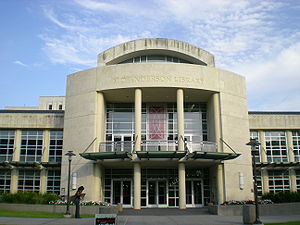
(297, 179)
(256, 152)
(276, 146)
(53, 181)
(296, 144)
(7, 142)
(50, 106)
(60, 106)
(278, 180)
(55, 145)
(5, 177)
(31, 145)
(29, 180)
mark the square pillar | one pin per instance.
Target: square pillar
(182, 191)
(137, 185)
(290, 146)
(43, 181)
(17, 148)
(293, 179)
(14, 181)
(100, 122)
(180, 119)
(46, 142)
(262, 140)
(265, 181)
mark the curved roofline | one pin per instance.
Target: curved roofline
(164, 46)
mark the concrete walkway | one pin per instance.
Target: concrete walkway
(151, 216)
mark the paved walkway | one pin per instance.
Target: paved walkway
(151, 216)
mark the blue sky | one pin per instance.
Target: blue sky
(43, 41)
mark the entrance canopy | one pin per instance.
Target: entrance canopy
(152, 155)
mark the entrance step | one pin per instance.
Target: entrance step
(164, 212)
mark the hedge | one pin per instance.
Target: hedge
(28, 197)
(283, 196)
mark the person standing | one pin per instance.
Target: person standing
(78, 196)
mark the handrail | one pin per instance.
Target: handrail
(157, 145)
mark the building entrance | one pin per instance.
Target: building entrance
(157, 193)
(194, 192)
(122, 192)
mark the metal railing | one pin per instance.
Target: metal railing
(157, 145)
(203, 146)
(117, 146)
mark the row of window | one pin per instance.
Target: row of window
(279, 180)
(159, 121)
(32, 146)
(29, 180)
(276, 146)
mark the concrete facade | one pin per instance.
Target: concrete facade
(147, 75)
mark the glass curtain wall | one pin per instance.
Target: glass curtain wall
(296, 144)
(7, 141)
(276, 146)
(31, 145)
(159, 125)
(56, 145)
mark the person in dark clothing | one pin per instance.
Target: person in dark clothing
(78, 196)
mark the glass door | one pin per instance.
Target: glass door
(157, 193)
(194, 193)
(121, 192)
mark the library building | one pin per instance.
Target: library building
(154, 124)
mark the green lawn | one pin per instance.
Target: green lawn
(14, 213)
(288, 223)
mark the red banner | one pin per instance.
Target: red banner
(156, 123)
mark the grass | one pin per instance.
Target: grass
(288, 223)
(30, 214)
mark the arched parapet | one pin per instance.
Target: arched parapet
(181, 51)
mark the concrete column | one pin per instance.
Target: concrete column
(16, 154)
(46, 142)
(265, 181)
(181, 179)
(291, 156)
(263, 151)
(43, 181)
(14, 181)
(217, 121)
(137, 185)
(293, 180)
(180, 119)
(220, 184)
(98, 184)
(138, 119)
(100, 122)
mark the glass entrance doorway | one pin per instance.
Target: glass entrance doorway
(157, 193)
(194, 190)
(121, 192)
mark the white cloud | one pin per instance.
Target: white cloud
(20, 63)
(250, 37)
(273, 84)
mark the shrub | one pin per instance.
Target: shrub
(283, 196)
(28, 197)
